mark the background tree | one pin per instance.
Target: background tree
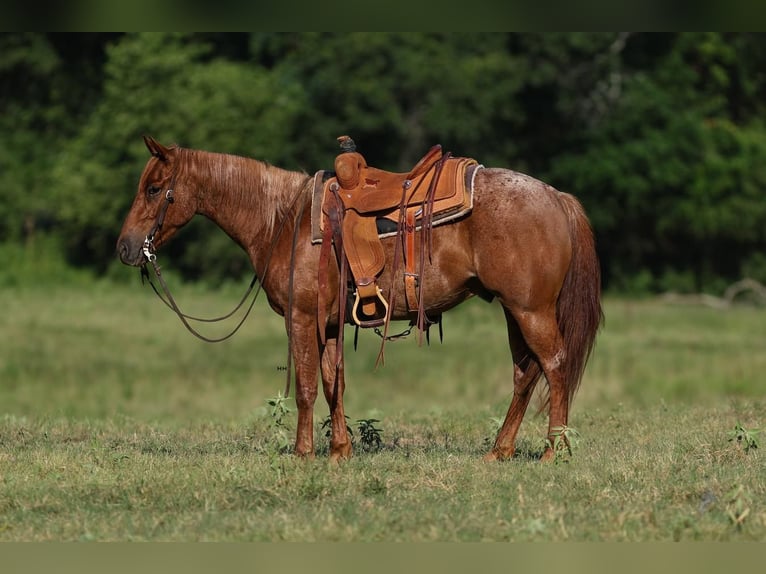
(672, 172)
(399, 93)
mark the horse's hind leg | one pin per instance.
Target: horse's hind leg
(333, 382)
(542, 335)
(526, 373)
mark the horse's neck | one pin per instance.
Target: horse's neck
(247, 198)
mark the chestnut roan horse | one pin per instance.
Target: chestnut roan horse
(525, 243)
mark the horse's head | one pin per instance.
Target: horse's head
(163, 204)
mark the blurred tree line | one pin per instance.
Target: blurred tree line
(661, 136)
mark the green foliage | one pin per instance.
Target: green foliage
(369, 434)
(399, 93)
(33, 120)
(495, 423)
(755, 267)
(744, 438)
(281, 436)
(677, 162)
(37, 263)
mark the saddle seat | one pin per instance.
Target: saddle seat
(356, 196)
(370, 190)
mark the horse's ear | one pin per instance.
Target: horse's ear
(156, 148)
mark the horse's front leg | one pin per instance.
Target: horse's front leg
(333, 382)
(305, 352)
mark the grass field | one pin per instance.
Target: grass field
(116, 424)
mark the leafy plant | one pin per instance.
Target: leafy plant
(369, 434)
(745, 438)
(280, 430)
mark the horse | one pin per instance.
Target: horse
(525, 244)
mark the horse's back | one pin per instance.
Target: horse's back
(515, 196)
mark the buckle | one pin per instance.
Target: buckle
(148, 249)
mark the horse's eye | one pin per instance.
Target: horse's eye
(153, 190)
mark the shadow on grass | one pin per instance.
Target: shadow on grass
(412, 446)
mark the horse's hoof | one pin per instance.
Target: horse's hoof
(340, 453)
(336, 459)
(494, 455)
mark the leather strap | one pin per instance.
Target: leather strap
(335, 216)
(410, 274)
(323, 280)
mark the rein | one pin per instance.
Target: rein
(170, 302)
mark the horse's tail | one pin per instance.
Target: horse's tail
(578, 311)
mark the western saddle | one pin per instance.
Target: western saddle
(357, 205)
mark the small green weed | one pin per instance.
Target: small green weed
(745, 438)
(369, 434)
(280, 431)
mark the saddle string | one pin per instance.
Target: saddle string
(380, 360)
(336, 216)
(426, 242)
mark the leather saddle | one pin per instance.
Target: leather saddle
(350, 205)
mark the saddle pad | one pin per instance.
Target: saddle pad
(458, 206)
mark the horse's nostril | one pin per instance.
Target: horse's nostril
(123, 250)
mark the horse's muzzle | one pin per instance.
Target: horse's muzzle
(130, 251)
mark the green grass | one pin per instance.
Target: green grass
(116, 424)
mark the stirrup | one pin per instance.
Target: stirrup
(375, 322)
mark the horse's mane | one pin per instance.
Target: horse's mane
(257, 186)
